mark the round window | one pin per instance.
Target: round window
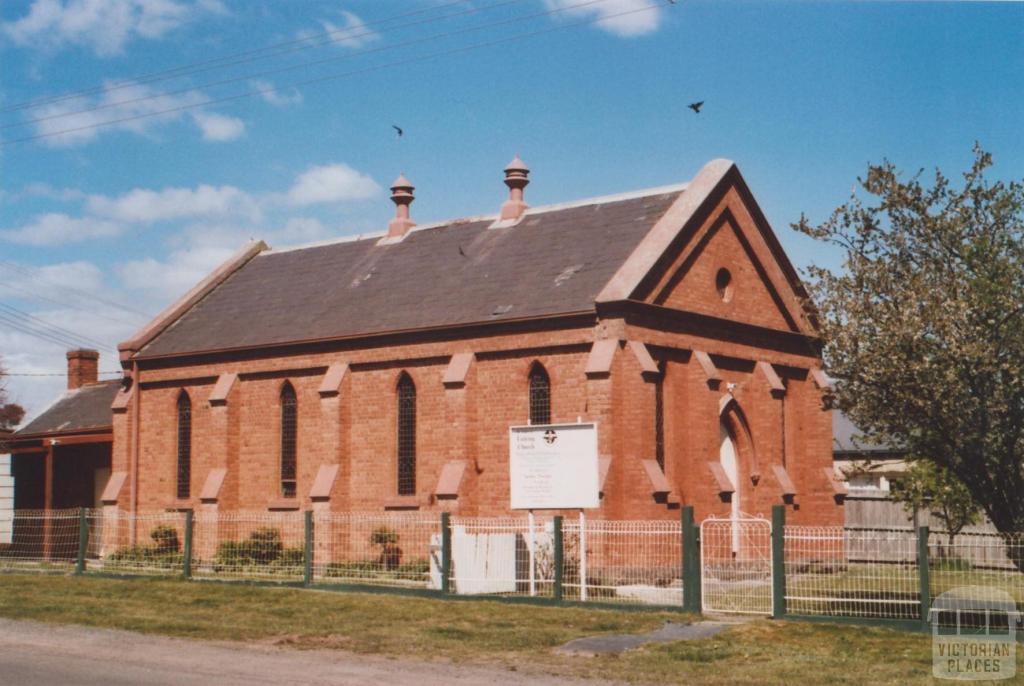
(723, 284)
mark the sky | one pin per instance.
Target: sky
(164, 134)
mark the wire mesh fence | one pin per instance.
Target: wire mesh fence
(389, 549)
(828, 571)
(633, 562)
(736, 565)
(984, 563)
(42, 540)
(266, 546)
(852, 572)
(151, 543)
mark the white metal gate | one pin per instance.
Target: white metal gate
(736, 565)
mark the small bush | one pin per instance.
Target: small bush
(291, 557)
(147, 555)
(165, 538)
(264, 546)
(370, 569)
(390, 554)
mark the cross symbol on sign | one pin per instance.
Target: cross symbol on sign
(550, 436)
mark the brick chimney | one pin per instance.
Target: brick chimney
(401, 195)
(516, 178)
(83, 368)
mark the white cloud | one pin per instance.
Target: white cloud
(133, 108)
(104, 26)
(628, 24)
(79, 275)
(107, 216)
(275, 96)
(169, 279)
(146, 206)
(45, 190)
(352, 34)
(331, 183)
(58, 229)
(218, 127)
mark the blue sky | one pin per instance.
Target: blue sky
(100, 226)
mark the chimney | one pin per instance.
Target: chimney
(83, 368)
(516, 178)
(401, 195)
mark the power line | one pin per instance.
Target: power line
(42, 323)
(184, 70)
(306, 65)
(98, 298)
(28, 327)
(78, 308)
(331, 77)
(20, 327)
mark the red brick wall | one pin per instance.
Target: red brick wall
(357, 428)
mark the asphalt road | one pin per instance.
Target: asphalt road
(42, 655)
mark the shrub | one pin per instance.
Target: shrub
(390, 553)
(266, 543)
(165, 538)
(263, 546)
(146, 554)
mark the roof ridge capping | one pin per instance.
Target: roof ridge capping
(656, 242)
(175, 310)
(494, 217)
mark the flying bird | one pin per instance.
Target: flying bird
(461, 252)
(695, 106)
(399, 130)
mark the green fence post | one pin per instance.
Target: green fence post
(307, 554)
(83, 541)
(778, 561)
(924, 578)
(446, 553)
(558, 558)
(691, 562)
(186, 562)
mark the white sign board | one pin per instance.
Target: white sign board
(554, 466)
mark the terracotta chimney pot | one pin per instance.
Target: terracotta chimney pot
(517, 176)
(402, 196)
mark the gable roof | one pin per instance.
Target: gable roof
(84, 409)
(556, 260)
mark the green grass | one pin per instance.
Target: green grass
(511, 635)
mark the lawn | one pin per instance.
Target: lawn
(513, 635)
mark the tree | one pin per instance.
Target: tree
(923, 328)
(11, 414)
(926, 486)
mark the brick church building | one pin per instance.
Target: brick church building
(383, 372)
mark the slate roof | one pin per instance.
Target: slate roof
(847, 438)
(554, 261)
(84, 409)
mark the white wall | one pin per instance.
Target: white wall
(6, 499)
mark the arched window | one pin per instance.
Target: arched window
(288, 421)
(406, 436)
(184, 445)
(540, 395)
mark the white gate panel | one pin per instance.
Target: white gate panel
(736, 565)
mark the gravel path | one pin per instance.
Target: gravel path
(34, 654)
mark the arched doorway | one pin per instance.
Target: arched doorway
(729, 459)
